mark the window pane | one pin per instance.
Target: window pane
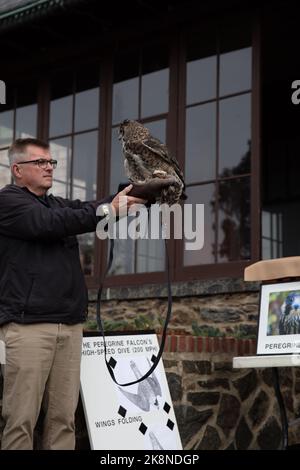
(125, 100)
(155, 93)
(280, 228)
(275, 226)
(86, 109)
(5, 175)
(87, 252)
(201, 78)
(26, 121)
(61, 106)
(117, 171)
(126, 87)
(235, 71)
(266, 224)
(84, 187)
(85, 166)
(87, 98)
(26, 112)
(202, 195)
(150, 256)
(200, 161)
(280, 189)
(272, 234)
(234, 220)
(276, 249)
(150, 252)
(266, 248)
(6, 128)
(155, 80)
(158, 129)
(123, 262)
(61, 116)
(61, 151)
(235, 135)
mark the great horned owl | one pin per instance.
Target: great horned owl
(147, 158)
(289, 322)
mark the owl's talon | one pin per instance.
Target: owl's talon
(159, 174)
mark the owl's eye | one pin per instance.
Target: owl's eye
(125, 122)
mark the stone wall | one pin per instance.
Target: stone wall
(215, 315)
(217, 407)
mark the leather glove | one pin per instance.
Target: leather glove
(149, 190)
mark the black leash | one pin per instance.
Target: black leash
(283, 415)
(100, 324)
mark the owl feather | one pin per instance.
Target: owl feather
(146, 157)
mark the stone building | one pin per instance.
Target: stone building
(215, 83)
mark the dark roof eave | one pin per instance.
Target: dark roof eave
(28, 12)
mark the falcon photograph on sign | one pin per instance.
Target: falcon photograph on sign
(135, 417)
(279, 319)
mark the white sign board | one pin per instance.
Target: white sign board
(139, 416)
(279, 319)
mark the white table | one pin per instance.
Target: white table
(285, 360)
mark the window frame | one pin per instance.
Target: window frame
(176, 144)
(171, 122)
(230, 268)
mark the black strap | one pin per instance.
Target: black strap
(100, 325)
(283, 415)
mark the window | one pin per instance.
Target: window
(218, 141)
(194, 92)
(73, 136)
(280, 193)
(280, 163)
(271, 235)
(140, 92)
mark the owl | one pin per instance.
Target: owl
(147, 158)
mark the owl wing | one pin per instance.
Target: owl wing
(157, 147)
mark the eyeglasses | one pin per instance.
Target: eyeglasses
(41, 163)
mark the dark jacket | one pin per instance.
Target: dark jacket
(41, 279)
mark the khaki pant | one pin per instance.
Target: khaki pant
(42, 369)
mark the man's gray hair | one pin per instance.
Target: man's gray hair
(18, 149)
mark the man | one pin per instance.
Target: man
(43, 298)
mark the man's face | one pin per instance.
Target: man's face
(36, 179)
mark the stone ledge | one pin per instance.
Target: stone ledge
(201, 344)
(179, 289)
